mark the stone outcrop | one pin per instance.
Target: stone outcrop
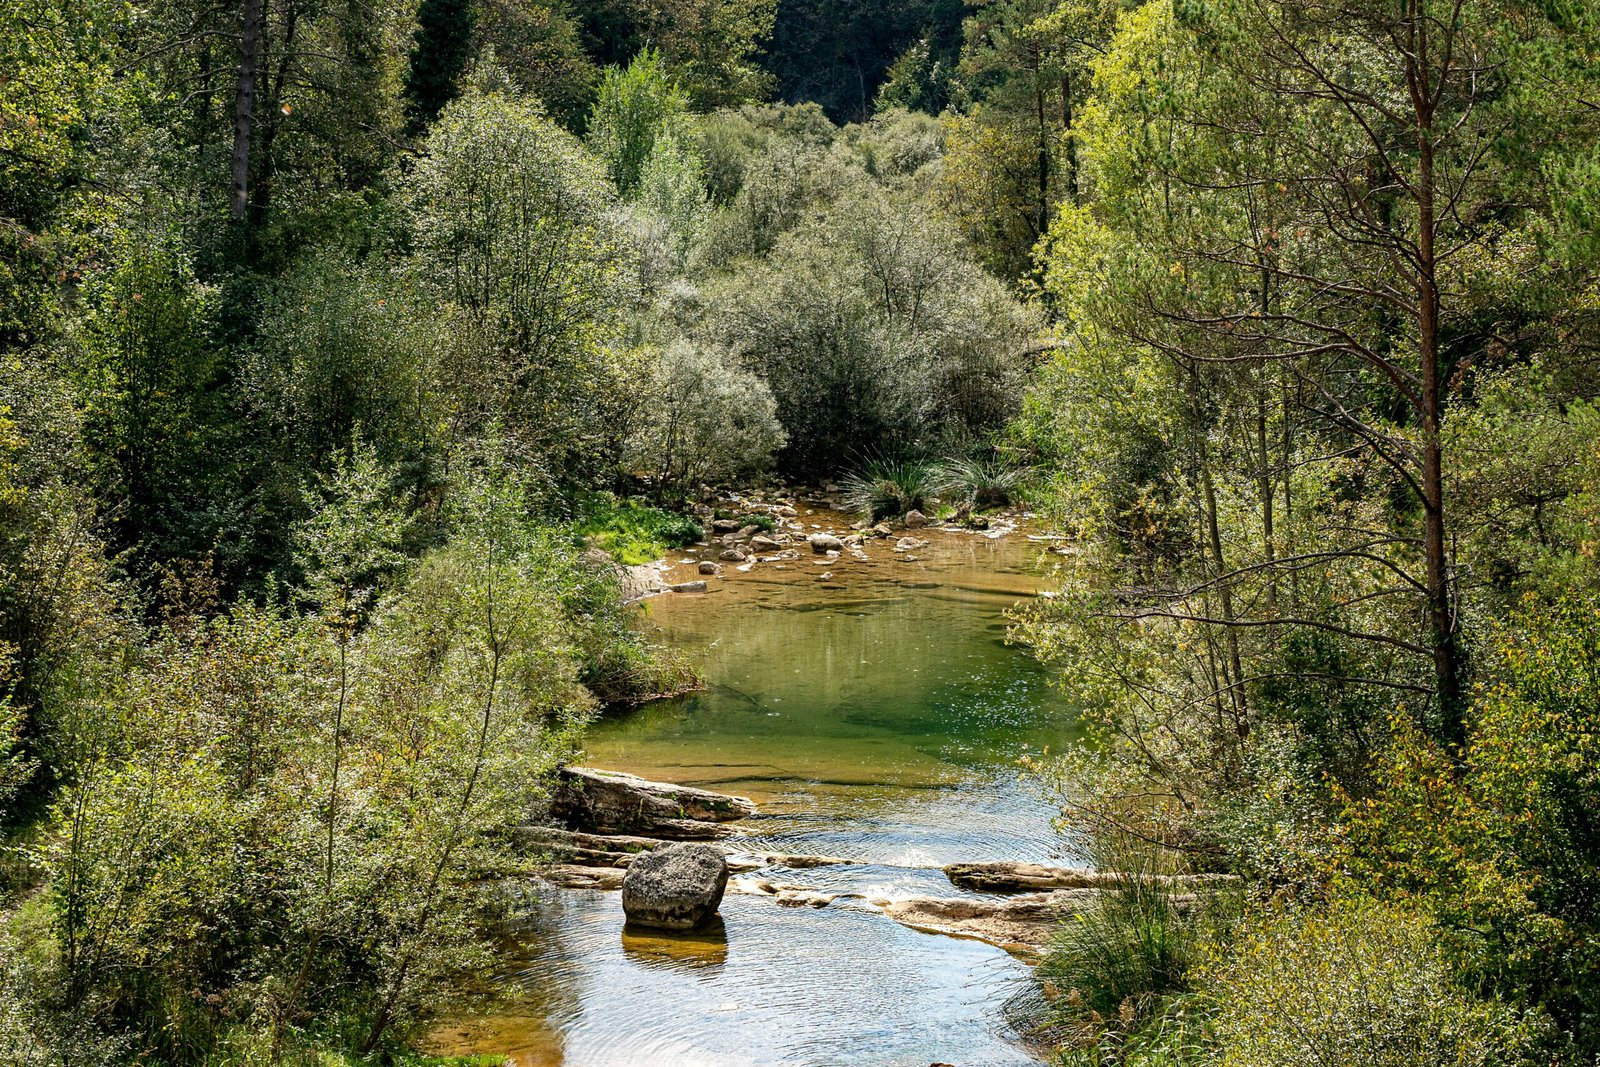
(576, 876)
(589, 850)
(1021, 923)
(1024, 922)
(1012, 877)
(675, 887)
(610, 802)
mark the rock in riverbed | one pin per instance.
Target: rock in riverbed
(1012, 877)
(1024, 922)
(676, 887)
(610, 802)
(822, 543)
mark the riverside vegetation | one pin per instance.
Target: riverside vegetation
(334, 336)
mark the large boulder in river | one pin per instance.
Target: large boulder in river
(676, 887)
(610, 802)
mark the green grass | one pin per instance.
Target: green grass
(634, 533)
(764, 521)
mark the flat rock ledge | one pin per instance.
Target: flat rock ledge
(1023, 923)
(597, 861)
(1011, 877)
(610, 802)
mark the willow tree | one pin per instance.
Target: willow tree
(516, 236)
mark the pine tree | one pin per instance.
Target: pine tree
(443, 44)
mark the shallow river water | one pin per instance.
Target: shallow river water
(879, 716)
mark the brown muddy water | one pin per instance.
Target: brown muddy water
(878, 715)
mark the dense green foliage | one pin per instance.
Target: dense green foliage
(339, 346)
(336, 339)
(1318, 414)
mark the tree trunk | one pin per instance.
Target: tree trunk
(1441, 613)
(1071, 138)
(1042, 224)
(244, 108)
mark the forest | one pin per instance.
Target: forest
(339, 337)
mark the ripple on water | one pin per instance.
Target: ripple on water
(796, 987)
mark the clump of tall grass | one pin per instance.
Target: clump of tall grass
(1109, 978)
(984, 482)
(887, 489)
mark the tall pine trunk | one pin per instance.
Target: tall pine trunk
(244, 108)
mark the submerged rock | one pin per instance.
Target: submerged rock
(676, 887)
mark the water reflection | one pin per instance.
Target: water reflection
(800, 987)
(702, 949)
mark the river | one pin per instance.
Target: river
(878, 715)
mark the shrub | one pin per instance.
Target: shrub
(635, 105)
(1501, 843)
(764, 521)
(886, 489)
(1356, 983)
(709, 419)
(984, 481)
(515, 233)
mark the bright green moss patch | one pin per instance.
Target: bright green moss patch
(634, 533)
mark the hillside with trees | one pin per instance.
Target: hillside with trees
(336, 338)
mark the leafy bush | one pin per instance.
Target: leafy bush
(763, 521)
(1357, 983)
(515, 231)
(1501, 841)
(885, 489)
(636, 105)
(864, 313)
(362, 764)
(709, 419)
